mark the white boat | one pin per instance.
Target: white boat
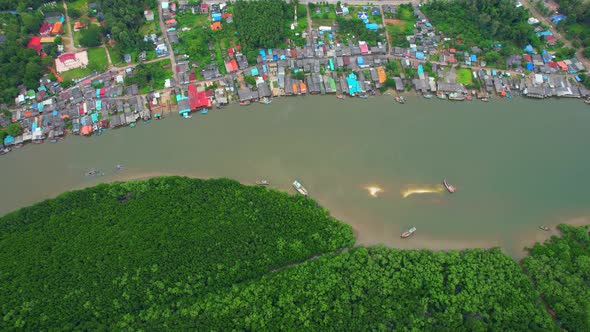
(408, 233)
(300, 188)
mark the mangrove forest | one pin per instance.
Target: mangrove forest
(174, 253)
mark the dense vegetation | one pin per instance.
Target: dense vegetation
(561, 270)
(356, 27)
(187, 254)
(133, 254)
(482, 22)
(122, 20)
(19, 64)
(382, 289)
(150, 75)
(261, 24)
(577, 23)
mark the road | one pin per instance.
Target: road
(545, 20)
(170, 50)
(350, 2)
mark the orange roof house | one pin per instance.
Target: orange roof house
(56, 28)
(295, 88)
(78, 26)
(381, 74)
(231, 66)
(216, 26)
(171, 21)
(302, 87)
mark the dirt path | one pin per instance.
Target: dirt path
(389, 47)
(68, 41)
(309, 21)
(108, 56)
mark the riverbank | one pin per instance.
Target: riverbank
(363, 143)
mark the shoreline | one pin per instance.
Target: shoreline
(390, 93)
(523, 240)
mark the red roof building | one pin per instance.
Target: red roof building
(45, 29)
(231, 66)
(204, 8)
(226, 15)
(230, 52)
(35, 43)
(171, 21)
(527, 58)
(364, 47)
(197, 99)
(562, 65)
(551, 40)
(79, 25)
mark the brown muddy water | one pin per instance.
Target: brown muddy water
(517, 164)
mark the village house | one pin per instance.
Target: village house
(149, 15)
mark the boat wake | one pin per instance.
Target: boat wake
(374, 190)
(437, 189)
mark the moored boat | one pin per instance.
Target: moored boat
(409, 232)
(545, 228)
(428, 96)
(587, 101)
(340, 96)
(363, 96)
(400, 99)
(265, 100)
(449, 186)
(4, 151)
(299, 187)
(204, 111)
(456, 96)
(245, 103)
(484, 99)
(441, 96)
(263, 182)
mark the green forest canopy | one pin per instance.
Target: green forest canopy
(482, 22)
(187, 254)
(132, 254)
(561, 270)
(262, 24)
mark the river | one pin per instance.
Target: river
(517, 164)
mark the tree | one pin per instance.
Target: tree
(91, 36)
(31, 21)
(14, 129)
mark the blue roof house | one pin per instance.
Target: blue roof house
(216, 17)
(547, 57)
(372, 26)
(254, 71)
(529, 66)
(473, 58)
(529, 49)
(8, 140)
(353, 84)
(360, 61)
(420, 55)
(556, 18)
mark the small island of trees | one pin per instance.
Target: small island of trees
(175, 253)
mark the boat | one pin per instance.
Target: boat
(265, 101)
(456, 96)
(484, 99)
(340, 96)
(204, 111)
(441, 96)
(428, 96)
(363, 96)
(187, 116)
(263, 182)
(300, 188)
(449, 187)
(409, 232)
(245, 103)
(587, 101)
(53, 140)
(400, 99)
(4, 151)
(545, 228)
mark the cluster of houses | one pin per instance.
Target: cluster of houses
(51, 27)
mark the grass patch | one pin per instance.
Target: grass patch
(188, 20)
(97, 58)
(76, 73)
(464, 76)
(404, 13)
(80, 5)
(316, 22)
(149, 27)
(323, 14)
